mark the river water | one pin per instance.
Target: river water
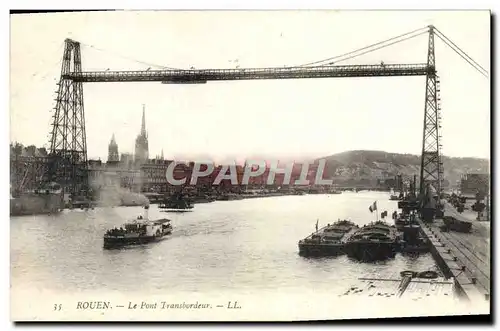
(241, 246)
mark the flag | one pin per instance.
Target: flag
(373, 207)
(384, 214)
(317, 221)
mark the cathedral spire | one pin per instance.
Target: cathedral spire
(141, 142)
(113, 155)
(143, 125)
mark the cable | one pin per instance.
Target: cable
(37, 77)
(448, 39)
(129, 58)
(372, 50)
(475, 66)
(366, 47)
(485, 74)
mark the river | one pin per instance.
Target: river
(241, 246)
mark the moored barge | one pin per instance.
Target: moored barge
(177, 203)
(375, 241)
(327, 241)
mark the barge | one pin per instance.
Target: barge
(176, 203)
(44, 200)
(327, 241)
(375, 241)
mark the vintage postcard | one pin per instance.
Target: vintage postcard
(249, 165)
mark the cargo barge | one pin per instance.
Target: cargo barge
(176, 203)
(375, 241)
(45, 200)
(327, 241)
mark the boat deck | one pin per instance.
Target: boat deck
(465, 256)
(321, 232)
(348, 235)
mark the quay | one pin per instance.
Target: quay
(397, 286)
(463, 257)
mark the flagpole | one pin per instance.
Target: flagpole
(376, 211)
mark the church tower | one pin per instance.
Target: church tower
(113, 155)
(141, 142)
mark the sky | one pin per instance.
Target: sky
(286, 119)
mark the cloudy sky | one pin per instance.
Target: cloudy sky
(282, 118)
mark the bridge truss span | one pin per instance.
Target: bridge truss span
(203, 75)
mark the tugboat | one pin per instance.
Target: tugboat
(400, 220)
(139, 231)
(177, 203)
(327, 241)
(375, 241)
(413, 241)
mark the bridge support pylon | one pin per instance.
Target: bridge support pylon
(68, 142)
(431, 168)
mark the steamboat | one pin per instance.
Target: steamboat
(139, 231)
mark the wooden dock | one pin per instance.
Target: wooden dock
(465, 257)
(402, 287)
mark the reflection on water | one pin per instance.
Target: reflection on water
(244, 245)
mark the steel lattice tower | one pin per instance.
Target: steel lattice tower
(68, 144)
(431, 168)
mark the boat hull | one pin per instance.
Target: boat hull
(114, 242)
(36, 204)
(327, 241)
(421, 247)
(371, 250)
(310, 249)
(172, 210)
(171, 207)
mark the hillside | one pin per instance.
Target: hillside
(367, 166)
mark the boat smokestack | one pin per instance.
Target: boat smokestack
(146, 212)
